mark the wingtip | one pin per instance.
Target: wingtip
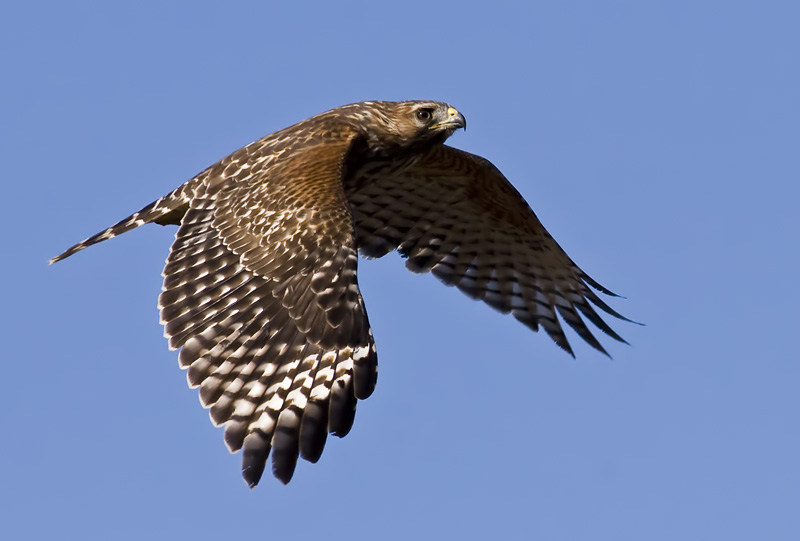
(282, 477)
(249, 481)
(563, 343)
(600, 287)
(597, 346)
(252, 475)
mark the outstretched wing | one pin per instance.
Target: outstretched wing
(454, 214)
(260, 292)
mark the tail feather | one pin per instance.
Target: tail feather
(167, 210)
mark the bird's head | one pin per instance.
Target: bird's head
(410, 125)
(423, 119)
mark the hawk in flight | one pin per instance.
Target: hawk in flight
(260, 289)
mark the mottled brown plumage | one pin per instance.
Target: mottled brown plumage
(260, 289)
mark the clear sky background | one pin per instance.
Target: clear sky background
(657, 141)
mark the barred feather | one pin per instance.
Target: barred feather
(455, 215)
(260, 288)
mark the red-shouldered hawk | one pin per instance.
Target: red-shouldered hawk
(260, 290)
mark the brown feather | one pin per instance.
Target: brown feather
(261, 291)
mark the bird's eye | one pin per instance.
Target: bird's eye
(424, 115)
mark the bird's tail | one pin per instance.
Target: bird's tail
(167, 210)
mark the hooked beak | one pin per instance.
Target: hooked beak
(451, 119)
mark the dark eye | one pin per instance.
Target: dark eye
(424, 114)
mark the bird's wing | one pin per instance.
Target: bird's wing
(260, 292)
(454, 214)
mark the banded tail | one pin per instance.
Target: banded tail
(168, 210)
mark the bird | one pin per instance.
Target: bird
(260, 290)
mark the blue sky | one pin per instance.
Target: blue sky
(657, 141)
